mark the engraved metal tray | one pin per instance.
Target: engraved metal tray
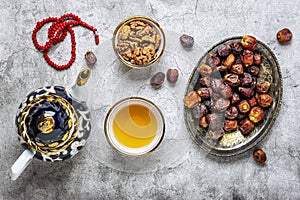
(235, 143)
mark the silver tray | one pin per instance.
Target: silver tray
(235, 143)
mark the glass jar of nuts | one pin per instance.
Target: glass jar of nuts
(138, 42)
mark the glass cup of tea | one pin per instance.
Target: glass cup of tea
(134, 126)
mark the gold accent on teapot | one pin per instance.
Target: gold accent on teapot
(83, 76)
(54, 147)
(45, 123)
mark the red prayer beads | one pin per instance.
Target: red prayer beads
(57, 32)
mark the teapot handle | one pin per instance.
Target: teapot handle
(21, 163)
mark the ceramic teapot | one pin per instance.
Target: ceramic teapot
(53, 123)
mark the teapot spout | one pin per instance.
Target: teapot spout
(79, 90)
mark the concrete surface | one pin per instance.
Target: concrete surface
(178, 170)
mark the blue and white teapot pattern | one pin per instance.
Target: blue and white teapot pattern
(53, 123)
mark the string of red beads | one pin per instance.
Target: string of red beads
(57, 32)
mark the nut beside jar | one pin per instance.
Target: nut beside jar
(138, 42)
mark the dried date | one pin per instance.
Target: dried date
(228, 85)
(229, 60)
(237, 48)
(256, 114)
(205, 81)
(246, 80)
(205, 70)
(191, 99)
(232, 79)
(230, 125)
(157, 80)
(257, 59)
(246, 126)
(252, 102)
(244, 106)
(222, 104)
(263, 87)
(224, 50)
(203, 122)
(217, 84)
(231, 113)
(264, 100)
(235, 98)
(187, 41)
(249, 42)
(172, 75)
(247, 92)
(204, 92)
(213, 60)
(247, 58)
(253, 70)
(215, 121)
(226, 92)
(237, 69)
(90, 58)
(199, 110)
(259, 156)
(284, 36)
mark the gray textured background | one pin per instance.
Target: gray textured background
(99, 173)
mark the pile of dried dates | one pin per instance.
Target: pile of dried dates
(227, 96)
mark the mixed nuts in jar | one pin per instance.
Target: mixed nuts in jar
(138, 42)
(229, 95)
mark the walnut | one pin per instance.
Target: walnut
(135, 39)
(143, 32)
(123, 47)
(138, 42)
(125, 32)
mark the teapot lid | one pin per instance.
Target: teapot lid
(48, 123)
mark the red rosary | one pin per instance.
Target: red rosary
(57, 33)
